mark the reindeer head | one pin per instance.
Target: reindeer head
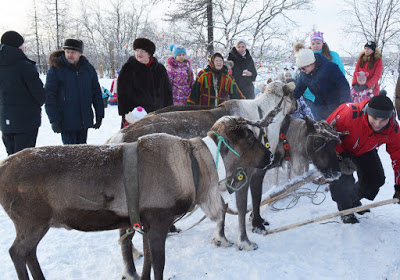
(321, 141)
(237, 135)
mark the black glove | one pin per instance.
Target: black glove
(98, 122)
(397, 192)
(56, 126)
(359, 87)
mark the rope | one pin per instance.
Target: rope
(220, 141)
(297, 194)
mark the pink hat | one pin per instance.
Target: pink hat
(317, 36)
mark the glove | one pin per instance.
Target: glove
(397, 192)
(347, 166)
(359, 87)
(56, 126)
(98, 122)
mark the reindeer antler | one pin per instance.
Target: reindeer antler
(267, 120)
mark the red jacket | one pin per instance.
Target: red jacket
(374, 74)
(351, 117)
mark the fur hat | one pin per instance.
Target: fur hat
(177, 50)
(145, 44)
(303, 56)
(380, 106)
(12, 38)
(371, 45)
(73, 44)
(317, 36)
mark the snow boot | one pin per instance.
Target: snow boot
(357, 204)
(349, 219)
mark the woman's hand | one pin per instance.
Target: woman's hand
(247, 73)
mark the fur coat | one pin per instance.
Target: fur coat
(143, 85)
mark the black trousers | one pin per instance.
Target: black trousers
(371, 176)
(74, 137)
(16, 142)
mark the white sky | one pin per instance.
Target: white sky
(325, 18)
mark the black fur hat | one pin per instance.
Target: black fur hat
(73, 44)
(380, 106)
(12, 38)
(145, 44)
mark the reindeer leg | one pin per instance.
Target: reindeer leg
(129, 272)
(219, 238)
(156, 232)
(147, 259)
(23, 250)
(257, 221)
(243, 241)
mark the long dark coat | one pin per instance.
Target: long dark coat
(21, 92)
(241, 63)
(71, 92)
(145, 86)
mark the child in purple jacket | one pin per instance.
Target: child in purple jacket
(180, 75)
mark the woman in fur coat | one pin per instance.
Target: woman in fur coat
(143, 81)
(369, 61)
(180, 75)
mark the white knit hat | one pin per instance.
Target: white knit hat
(303, 56)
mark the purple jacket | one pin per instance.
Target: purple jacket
(181, 78)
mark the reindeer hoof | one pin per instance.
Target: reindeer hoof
(221, 242)
(259, 230)
(248, 246)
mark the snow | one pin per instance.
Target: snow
(324, 250)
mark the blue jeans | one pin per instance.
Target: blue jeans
(320, 112)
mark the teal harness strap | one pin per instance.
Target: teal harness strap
(131, 183)
(220, 141)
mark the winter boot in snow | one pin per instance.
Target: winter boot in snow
(349, 219)
(357, 204)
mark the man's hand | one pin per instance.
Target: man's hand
(56, 126)
(98, 122)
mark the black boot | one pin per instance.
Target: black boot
(357, 204)
(349, 219)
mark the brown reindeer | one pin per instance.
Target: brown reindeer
(82, 187)
(187, 124)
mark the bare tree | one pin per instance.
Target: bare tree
(378, 21)
(198, 13)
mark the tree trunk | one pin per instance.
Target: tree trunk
(210, 28)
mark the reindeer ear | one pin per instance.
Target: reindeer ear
(310, 124)
(288, 88)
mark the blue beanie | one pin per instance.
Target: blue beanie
(177, 50)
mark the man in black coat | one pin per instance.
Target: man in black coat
(143, 81)
(72, 87)
(21, 95)
(243, 70)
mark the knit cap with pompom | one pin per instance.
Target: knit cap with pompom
(303, 56)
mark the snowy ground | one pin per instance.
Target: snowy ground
(327, 250)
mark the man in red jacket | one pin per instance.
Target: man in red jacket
(370, 123)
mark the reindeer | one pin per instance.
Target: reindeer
(187, 124)
(84, 187)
